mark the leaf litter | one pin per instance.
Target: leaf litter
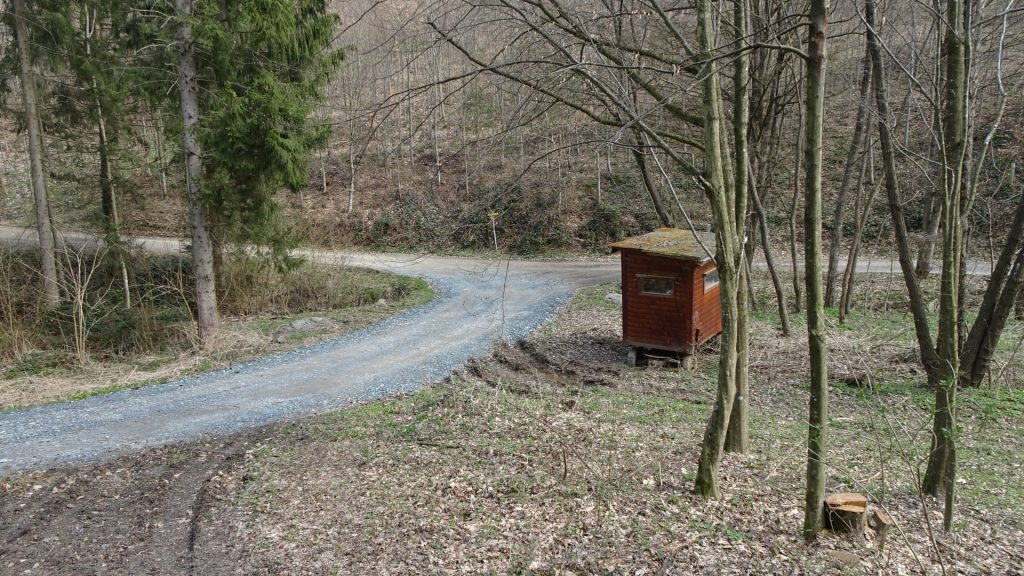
(550, 457)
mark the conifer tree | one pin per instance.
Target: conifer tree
(264, 66)
(18, 19)
(250, 74)
(88, 43)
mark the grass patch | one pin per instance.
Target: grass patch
(596, 297)
(556, 458)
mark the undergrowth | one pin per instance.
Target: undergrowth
(156, 317)
(553, 457)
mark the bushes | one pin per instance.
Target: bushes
(161, 315)
(251, 286)
(145, 328)
(535, 214)
(526, 222)
(19, 307)
(604, 226)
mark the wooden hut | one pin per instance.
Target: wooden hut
(670, 289)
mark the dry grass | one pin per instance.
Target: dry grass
(156, 342)
(554, 458)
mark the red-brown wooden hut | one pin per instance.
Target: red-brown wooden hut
(670, 289)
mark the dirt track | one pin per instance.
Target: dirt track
(479, 301)
(135, 515)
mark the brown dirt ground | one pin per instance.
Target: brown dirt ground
(551, 458)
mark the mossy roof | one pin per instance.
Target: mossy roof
(671, 242)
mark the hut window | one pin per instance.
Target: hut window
(710, 280)
(659, 285)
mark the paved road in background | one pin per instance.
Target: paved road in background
(478, 303)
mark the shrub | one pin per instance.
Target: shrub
(604, 226)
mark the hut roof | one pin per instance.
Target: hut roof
(671, 242)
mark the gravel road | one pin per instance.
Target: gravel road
(477, 303)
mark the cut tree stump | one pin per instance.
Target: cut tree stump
(880, 523)
(846, 512)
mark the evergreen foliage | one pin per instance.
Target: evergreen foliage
(264, 65)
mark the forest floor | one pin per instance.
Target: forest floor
(553, 457)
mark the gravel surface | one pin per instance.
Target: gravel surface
(477, 303)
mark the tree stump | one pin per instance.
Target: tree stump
(880, 523)
(846, 512)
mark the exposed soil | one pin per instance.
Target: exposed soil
(135, 515)
(550, 457)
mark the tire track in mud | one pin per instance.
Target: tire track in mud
(140, 514)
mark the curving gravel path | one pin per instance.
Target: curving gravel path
(478, 302)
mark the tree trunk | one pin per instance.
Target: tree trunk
(738, 437)
(794, 207)
(352, 172)
(996, 308)
(818, 409)
(47, 254)
(1018, 309)
(722, 206)
(108, 197)
(929, 359)
(202, 249)
(112, 226)
(159, 134)
(1003, 288)
(3, 162)
(940, 475)
(780, 293)
(930, 229)
(861, 213)
(844, 185)
(640, 156)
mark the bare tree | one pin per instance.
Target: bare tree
(637, 83)
(737, 438)
(817, 427)
(947, 355)
(861, 210)
(844, 185)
